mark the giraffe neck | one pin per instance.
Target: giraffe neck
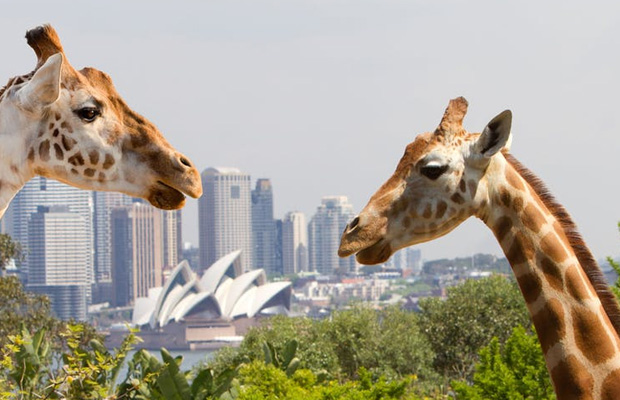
(578, 339)
(16, 135)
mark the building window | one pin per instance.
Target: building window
(235, 192)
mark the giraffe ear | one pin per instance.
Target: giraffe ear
(496, 135)
(44, 87)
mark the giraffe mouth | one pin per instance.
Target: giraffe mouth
(376, 253)
(166, 197)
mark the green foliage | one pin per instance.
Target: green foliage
(20, 308)
(386, 342)
(516, 371)
(616, 267)
(9, 250)
(468, 319)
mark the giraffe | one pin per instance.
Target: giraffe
(448, 175)
(74, 127)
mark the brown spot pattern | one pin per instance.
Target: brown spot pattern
(74, 171)
(473, 187)
(575, 284)
(428, 211)
(551, 246)
(611, 386)
(58, 151)
(442, 206)
(517, 204)
(571, 380)
(521, 250)
(532, 218)
(108, 161)
(76, 159)
(531, 286)
(57, 116)
(101, 177)
(504, 197)
(44, 150)
(590, 336)
(56, 132)
(463, 185)
(502, 227)
(457, 198)
(553, 274)
(93, 155)
(89, 172)
(549, 322)
(513, 179)
(31, 154)
(64, 125)
(68, 142)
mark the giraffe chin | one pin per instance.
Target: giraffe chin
(378, 253)
(165, 197)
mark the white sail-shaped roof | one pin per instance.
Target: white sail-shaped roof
(221, 292)
(212, 277)
(240, 286)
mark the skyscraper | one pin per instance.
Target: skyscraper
(294, 243)
(58, 251)
(225, 216)
(264, 228)
(172, 237)
(324, 232)
(137, 255)
(41, 191)
(104, 202)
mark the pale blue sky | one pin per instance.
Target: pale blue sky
(322, 96)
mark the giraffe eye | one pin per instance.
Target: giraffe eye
(88, 114)
(433, 171)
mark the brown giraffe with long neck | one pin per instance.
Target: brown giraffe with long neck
(74, 127)
(449, 175)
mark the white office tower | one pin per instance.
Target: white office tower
(57, 253)
(225, 216)
(294, 243)
(324, 232)
(41, 191)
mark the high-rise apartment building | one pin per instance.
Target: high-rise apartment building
(41, 191)
(264, 228)
(137, 252)
(294, 243)
(172, 237)
(324, 232)
(225, 216)
(58, 250)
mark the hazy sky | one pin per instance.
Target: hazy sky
(323, 96)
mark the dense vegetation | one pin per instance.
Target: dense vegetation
(477, 344)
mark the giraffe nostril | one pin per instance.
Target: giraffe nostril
(185, 162)
(353, 224)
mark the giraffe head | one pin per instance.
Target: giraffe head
(438, 184)
(78, 130)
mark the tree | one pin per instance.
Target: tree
(9, 250)
(616, 286)
(473, 313)
(19, 307)
(515, 371)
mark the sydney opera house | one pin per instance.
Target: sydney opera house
(191, 311)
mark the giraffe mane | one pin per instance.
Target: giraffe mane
(583, 253)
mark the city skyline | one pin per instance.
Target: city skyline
(322, 97)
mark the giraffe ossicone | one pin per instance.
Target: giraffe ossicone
(73, 126)
(449, 175)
